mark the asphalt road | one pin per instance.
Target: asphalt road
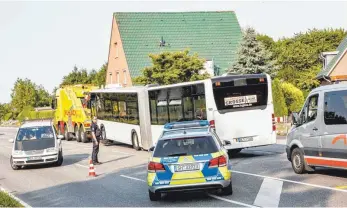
(261, 177)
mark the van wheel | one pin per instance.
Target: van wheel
(154, 196)
(78, 134)
(66, 134)
(60, 159)
(84, 136)
(298, 162)
(13, 166)
(135, 141)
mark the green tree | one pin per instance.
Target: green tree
(293, 96)
(43, 97)
(253, 58)
(298, 57)
(279, 102)
(171, 68)
(100, 77)
(23, 94)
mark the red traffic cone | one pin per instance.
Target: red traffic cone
(91, 169)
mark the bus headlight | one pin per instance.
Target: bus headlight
(52, 149)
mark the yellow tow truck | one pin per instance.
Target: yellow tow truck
(72, 116)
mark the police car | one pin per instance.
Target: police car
(36, 143)
(188, 156)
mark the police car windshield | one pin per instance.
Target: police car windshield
(185, 146)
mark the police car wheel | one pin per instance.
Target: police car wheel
(228, 190)
(135, 141)
(298, 162)
(154, 196)
(13, 166)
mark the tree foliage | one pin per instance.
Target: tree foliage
(171, 68)
(82, 76)
(253, 57)
(294, 97)
(27, 93)
(279, 101)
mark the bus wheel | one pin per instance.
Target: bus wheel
(84, 136)
(103, 133)
(78, 134)
(298, 162)
(66, 134)
(135, 141)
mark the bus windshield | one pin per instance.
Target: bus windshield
(240, 92)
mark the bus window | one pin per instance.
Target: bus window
(240, 93)
(200, 107)
(175, 104)
(162, 107)
(122, 112)
(188, 108)
(132, 111)
(108, 107)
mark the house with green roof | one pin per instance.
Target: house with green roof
(215, 36)
(334, 65)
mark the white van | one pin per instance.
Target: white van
(36, 143)
(318, 136)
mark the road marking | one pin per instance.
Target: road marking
(84, 166)
(136, 179)
(124, 153)
(230, 201)
(341, 187)
(211, 195)
(290, 181)
(269, 194)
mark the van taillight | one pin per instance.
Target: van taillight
(212, 124)
(273, 123)
(155, 167)
(218, 162)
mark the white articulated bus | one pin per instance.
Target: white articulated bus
(239, 107)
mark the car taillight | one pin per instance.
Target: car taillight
(212, 124)
(155, 167)
(218, 162)
(273, 123)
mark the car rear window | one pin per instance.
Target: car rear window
(241, 92)
(185, 146)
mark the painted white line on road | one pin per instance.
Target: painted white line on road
(290, 181)
(15, 198)
(136, 179)
(124, 153)
(269, 194)
(211, 195)
(230, 201)
(84, 166)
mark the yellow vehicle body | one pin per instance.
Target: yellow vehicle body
(72, 116)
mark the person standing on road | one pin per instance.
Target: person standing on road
(96, 133)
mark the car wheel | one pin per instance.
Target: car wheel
(66, 134)
(60, 159)
(78, 134)
(13, 166)
(135, 141)
(298, 162)
(84, 136)
(228, 190)
(154, 196)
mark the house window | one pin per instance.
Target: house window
(117, 77)
(125, 76)
(117, 49)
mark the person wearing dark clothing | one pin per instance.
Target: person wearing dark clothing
(96, 134)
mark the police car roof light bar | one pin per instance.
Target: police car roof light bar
(186, 124)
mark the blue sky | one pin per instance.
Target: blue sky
(42, 41)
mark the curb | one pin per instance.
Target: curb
(15, 198)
